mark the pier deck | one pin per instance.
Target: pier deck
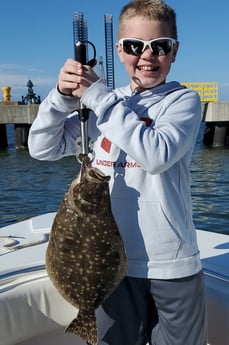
(17, 113)
(214, 114)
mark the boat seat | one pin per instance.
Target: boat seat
(31, 309)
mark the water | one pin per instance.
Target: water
(30, 187)
(210, 187)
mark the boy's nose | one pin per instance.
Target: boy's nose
(147, 47)
(147, 51)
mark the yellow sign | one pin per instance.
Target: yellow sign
(208, 91)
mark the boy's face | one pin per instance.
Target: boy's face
(147, 69)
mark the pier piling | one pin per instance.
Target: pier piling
(216, 118)
(3, 137)
(21, 136)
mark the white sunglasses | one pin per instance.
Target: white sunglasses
(158, 46)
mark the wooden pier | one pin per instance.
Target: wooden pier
(22, 116)
(214, 114)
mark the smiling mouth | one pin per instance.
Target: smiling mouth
(148, 68)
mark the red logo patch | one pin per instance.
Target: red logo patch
(106, 145)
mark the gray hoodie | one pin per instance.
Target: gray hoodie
(144, 142)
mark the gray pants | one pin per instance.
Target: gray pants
(158, 312)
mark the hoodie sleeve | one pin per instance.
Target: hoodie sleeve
(53, 132)
(155, 148)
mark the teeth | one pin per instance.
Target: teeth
(148, 68)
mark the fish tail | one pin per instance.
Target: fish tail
(84, 325)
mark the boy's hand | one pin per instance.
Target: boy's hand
(74, 78)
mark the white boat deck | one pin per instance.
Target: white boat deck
(33, 312)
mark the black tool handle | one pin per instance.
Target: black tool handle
(81, 52)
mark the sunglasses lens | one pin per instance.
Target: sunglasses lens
(133, 47)
(158, 47)
(161, 47)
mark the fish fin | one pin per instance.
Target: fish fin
(84, 325)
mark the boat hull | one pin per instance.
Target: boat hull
(32, 312)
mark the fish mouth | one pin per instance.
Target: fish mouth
(85, 165)
(91, 174)
(95, 175)
(148, 68)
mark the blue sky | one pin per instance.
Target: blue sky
(36, 38)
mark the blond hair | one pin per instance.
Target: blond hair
(151, 9)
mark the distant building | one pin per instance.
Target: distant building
(31, 97)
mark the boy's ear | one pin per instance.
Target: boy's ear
(175, 50)
(119, 52)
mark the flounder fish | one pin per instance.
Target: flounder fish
(85, 257)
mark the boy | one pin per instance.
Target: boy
(143, 135)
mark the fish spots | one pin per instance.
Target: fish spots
(86, 258)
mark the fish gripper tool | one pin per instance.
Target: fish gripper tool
(80, 49)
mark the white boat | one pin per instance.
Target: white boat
(32, 312)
